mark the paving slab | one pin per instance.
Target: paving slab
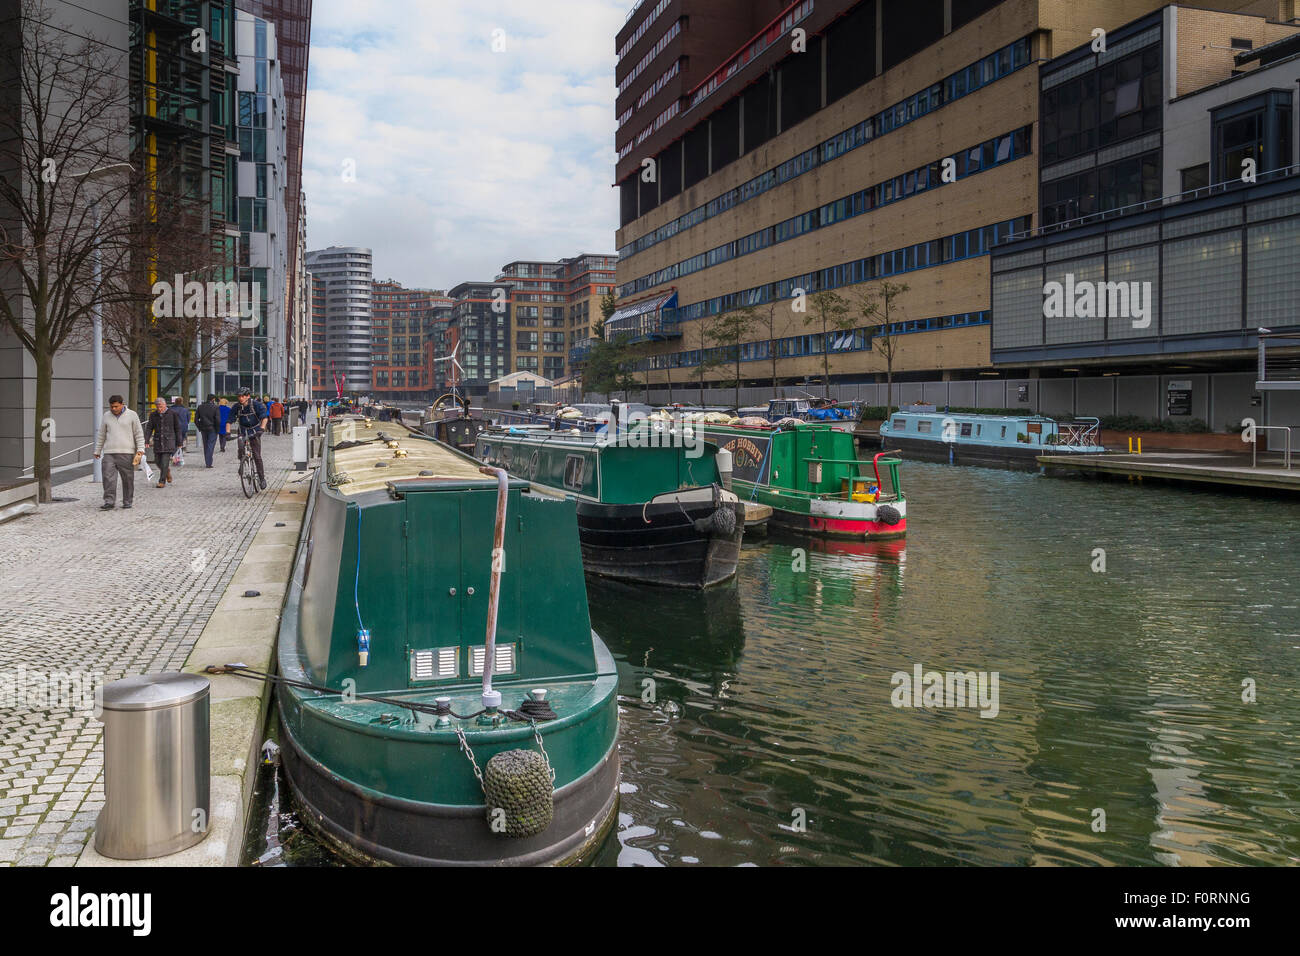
(105, 595)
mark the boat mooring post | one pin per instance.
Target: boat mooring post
(492, 698)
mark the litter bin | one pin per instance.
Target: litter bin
(156, 766)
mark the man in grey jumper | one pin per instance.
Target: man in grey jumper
(122, 439)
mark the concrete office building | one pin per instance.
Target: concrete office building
(108, 25)
(1196, 200)
(770, 147)
(345, 273)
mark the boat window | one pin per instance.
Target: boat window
(900, 424)
(487, 452)
(979, 429)
(532, 464)
(924, 425)
(965, 430)
(507, 455)
(574, 466)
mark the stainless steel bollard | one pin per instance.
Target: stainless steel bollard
(156, 766)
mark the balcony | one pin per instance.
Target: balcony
(650, 320)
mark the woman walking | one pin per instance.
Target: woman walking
(163, 431)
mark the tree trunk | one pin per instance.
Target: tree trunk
(826, 363)
(134, 386)
(889, 388)
(41, 448)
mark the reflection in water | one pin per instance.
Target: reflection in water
(757, 726)
(1120, 691)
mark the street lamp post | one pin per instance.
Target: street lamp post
(97, 313)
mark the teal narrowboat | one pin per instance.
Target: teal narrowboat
(648, 512)
(990, 440)
(442, 696)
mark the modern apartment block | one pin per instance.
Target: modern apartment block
(537, 309)
(292, 22)
(402, 320)
(345, 272)
(586, 279)
(322, 384)
(768, 149)
(259, 357)
(1179, 215)
(481, 319)
(302, 368)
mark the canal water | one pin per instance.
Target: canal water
(1146, 646)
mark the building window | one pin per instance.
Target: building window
(1195, 177)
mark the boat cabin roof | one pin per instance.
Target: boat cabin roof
(373, 465)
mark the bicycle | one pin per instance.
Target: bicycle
(247, 464)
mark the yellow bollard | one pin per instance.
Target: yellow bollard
(1130, 444)
(1139, 444)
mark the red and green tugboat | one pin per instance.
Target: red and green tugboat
(811, 477)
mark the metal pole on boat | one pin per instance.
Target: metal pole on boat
(492, 698)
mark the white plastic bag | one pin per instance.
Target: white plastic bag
(148, 472)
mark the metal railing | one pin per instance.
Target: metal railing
(1254, 446)
(64, 455)
(1201, 192)
(1079, 434)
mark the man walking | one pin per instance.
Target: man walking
(182, 414)
(122, 440)
(163, 430)
(208, 420)
(251, 418)
(277, 415)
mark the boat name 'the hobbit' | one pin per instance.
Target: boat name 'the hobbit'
(950, 689)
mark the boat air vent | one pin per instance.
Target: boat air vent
(439, 663)
(505, 660)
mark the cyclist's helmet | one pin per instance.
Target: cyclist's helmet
(245, 391)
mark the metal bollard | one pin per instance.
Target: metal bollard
(156, 766)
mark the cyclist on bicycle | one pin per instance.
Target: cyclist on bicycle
(252, 417)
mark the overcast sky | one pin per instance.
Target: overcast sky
(465, 158)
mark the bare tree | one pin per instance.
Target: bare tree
(64, 116)
(704, 330)
(730, 331)
(831, 313)
(770, 326)
(877, 307)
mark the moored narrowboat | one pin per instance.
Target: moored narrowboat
(811, 476)
(442, 696)
(647, 513)
(990, 440)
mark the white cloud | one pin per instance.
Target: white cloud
(465, 159)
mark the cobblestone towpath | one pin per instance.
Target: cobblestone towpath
(94, 595)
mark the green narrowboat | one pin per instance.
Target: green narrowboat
(442, 696)
(810, 475)
(649, 512)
